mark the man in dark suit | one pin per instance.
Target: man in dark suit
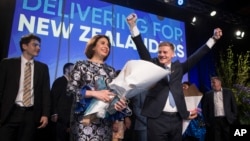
(219, 110)
(140, 124)
(19, 120)
(61, 104)
(164, 105)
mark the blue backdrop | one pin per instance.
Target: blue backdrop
(66, 26)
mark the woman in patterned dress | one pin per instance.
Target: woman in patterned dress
(82, 85)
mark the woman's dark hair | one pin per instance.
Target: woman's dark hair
(27, 38)
(89, 52)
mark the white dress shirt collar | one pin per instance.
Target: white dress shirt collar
(24, 60)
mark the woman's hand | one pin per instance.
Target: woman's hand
(127, 122)
(121, 104)
(115, 126)
(103, 95)
(193, 114)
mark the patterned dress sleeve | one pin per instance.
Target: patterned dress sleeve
(77, 87)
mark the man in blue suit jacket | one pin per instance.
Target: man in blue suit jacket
(219, 110)
(17, 120)
(164, 120)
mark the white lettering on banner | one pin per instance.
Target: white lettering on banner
(55, 8)
(65, 31)
(43, 26)
(152, 46)
(96, 31)
(85, 30)
(167, 31)
(75, 11)
(179, 51)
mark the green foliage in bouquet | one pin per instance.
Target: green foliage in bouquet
(234, 70)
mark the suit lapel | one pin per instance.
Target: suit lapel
(17, 68)
(224, 97)
(173, 66)
(36, 74)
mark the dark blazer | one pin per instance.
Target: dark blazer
(61, 102)
(10, 71)
(157, 96)
(229, 104)
(137, 104)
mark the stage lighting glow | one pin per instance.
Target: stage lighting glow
(180, 2)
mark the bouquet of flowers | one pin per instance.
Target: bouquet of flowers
(135, 77)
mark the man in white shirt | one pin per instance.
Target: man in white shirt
(24, 107)
(219, 110)
(164, 105)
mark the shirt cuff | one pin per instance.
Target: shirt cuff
(210, 43)
(134, 31)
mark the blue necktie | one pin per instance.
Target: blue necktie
(170, 96)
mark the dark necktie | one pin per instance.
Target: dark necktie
(27, 85)
(170, 95)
